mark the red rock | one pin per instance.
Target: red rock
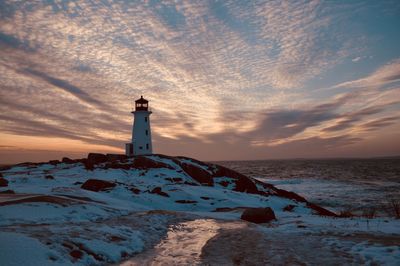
(77, 254)
(289, 195)
(135, 190)
(96, 158)
(321, 211)
(97, 185)
(67, 160)
(242, 182)
(198, 174)
(142, 162)
(224, 183)
(158, 191)
(8, 191)
(186, 201)
(289, 208)
(116, 157)
(3, 182)
(258, 215)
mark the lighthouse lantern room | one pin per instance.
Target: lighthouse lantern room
(141, 133)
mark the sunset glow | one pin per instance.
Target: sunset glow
(226, 80)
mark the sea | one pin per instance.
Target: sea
(356, 185)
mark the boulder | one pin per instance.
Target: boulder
(289, 195)
(321, 211)
(258, 215)
(3, 182)
(158, 191)
(97, 185)
(186, 201)
(88, 165)
(198, 174)
(49, 177)
(242, 182)
(142, 162)
(54, 162)
(76, 254)
(8, 191)
(116, 157)
(135, 190)
(96, 158)
(67, 160)
(117, 165)
(289, 208)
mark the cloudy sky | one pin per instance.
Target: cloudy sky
(225, 79)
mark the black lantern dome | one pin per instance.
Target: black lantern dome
(141, 104)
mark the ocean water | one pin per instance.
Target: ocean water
(358, 185)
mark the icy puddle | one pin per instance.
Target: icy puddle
(182, 246)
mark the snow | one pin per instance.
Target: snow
(119, 225)
(17, 249)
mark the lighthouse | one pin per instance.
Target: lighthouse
(141, 133)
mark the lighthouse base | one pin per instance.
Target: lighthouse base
(129, 149)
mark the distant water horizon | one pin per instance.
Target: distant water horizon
(334, 183)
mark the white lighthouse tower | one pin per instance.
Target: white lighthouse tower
(141, 133)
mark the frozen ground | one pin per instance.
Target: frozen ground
(55, 221)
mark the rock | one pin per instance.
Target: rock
(116, 157)
(186, 201)
(224, 183)
(321, 211)
(67, 160)
(8, 191)
(97, 185)
(142, 162)
(205, 198)
(77, 254)
(198, 174)
(289, 208)
(54, 162)
(49, 177)
(242, 182)
(117, 165)
(96, 158)
(289, 195)
(174, 179)
(258, 215)
(3, 182)
(158, 191)
(88, 165)
(135, 190)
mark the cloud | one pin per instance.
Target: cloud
(384, 75)
(67, 87)
(225, 71)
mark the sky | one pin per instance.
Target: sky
(226, 80)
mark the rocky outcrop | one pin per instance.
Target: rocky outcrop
(242, 182)
(142, 162)
(258, 215)
(198, 174)
(97, 185)
(3, 182)
(96, 158)
(158, 191)
(116, 157)
(67, 160)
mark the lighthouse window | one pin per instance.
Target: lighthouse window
(145, 119)
(140, 147)
(147, 146)
(147, 132)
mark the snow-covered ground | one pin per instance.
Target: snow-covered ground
(163, 215)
